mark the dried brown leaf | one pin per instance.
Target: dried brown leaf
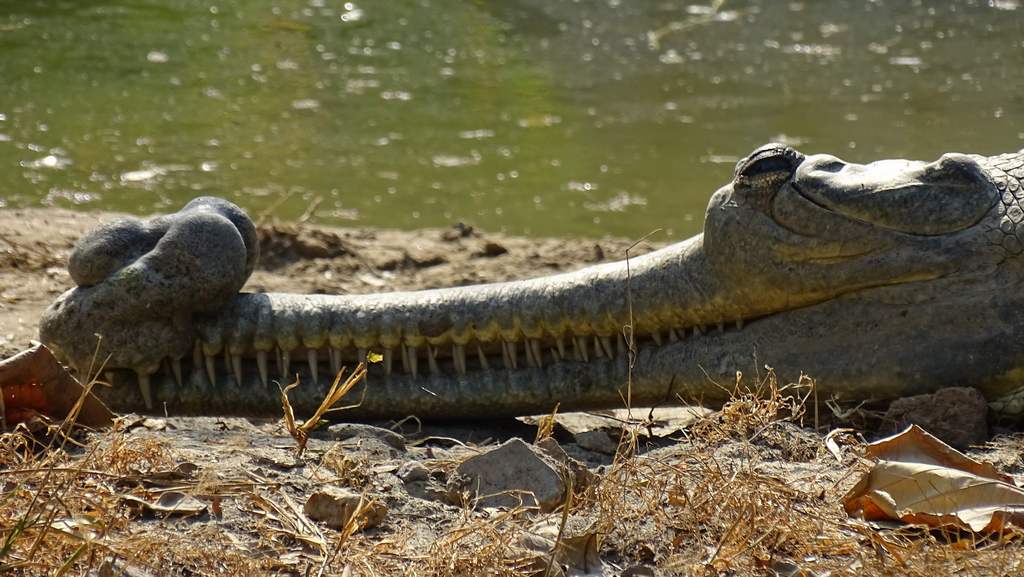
(60, 391)
(169, 503)
(920, 479)
(915, 445)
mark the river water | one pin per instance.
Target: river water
(537, 117)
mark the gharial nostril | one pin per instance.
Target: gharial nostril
(769, 164)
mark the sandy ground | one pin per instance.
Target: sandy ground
(742, 491)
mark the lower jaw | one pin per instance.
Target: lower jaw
(570, 385)
(855, 349)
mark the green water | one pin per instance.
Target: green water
(534, 117)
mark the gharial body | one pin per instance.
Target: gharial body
(880, 280)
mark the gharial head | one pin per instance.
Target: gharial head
(818, 262)
(795, 228)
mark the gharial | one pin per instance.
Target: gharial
(881, 280)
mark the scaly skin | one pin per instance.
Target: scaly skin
(880, 280)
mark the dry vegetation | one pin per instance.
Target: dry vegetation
(743, 492)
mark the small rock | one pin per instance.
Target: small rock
(334, 507)
(582, 476)
(423, 259)
(598, 441)
(413, 471)
(457, 231)
(491, 249)
(410, 259)
(346, 431)
(281, 245)
(512, 471)
(552, 449)
(957, 415)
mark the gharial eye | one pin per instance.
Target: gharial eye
(769, 165)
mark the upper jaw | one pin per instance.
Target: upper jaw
(800, 229)
(908, 197)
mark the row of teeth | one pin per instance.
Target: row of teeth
(536, 354)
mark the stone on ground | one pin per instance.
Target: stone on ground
(511, 473)
(957, 415)
(334, 507)
(346, 431)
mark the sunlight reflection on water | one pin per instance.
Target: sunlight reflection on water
(570, 118)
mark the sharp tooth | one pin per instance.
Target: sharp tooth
(673, 336)
(698, 330)
(197, 358)
(739, 324)
(721, 326)
(405, 358)
(560, 343)
(621, 345)
(538, 354)
(656, 335)
(284, 363)
(211, 369)
(236, 365)
(554, 355)
(314, 362)
(432, 360)
(530, 360)
(335, 358)
(459, 357)
(146, 389)
(580, 345)
(389, 356)
(483, 358)
(604, 344)
(261, 364)
(362, 353)
(413, 359)
(176, 370)
(510, 354)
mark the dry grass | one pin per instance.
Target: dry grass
(300, 431)
(720, 502)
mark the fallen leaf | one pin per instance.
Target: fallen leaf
(34, 382)
(920, 479)
(336, 507)
(915, 445)
(169, 503)
(578, 552)
(832, 445)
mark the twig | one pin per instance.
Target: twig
(561, 526)
(338, 390)
(628, 329)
